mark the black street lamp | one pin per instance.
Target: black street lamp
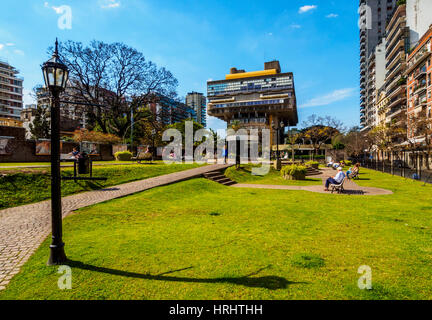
(278, 127)
(56, 76)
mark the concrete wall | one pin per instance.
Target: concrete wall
(419, 18)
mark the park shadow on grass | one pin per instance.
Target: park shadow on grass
(266, 282)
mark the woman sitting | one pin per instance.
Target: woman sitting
(353, 172)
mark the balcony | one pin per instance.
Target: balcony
(396, 90)
(398, 58)
(420, 88)
(396, 101)
(420, 73)
(393, 113)
(418, 58)
(396, 37)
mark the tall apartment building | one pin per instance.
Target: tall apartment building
(256, 99)
(418, 19)
(373, 18)
(419, 77)
(11, 92)
(168, 111)
(375, 82)
(397, 37)
(73, 113)
(198, 102)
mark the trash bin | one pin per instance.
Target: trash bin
(84, 165)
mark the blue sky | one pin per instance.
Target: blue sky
(200, 40)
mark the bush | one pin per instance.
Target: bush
(294, 172)
(313, 164)
(123, 155)
(347, 162)
(307, 157)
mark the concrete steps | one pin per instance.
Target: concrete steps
(312, 171)
(219, 177)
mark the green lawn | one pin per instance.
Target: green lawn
(27, 187)
(244, 175)
(201, 240)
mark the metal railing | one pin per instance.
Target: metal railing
(399, 168)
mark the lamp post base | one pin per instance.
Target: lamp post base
(57, 255)
(278, 164)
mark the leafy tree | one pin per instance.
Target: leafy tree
(291, 139)
(181, 126)
(40, 126)
(235, 125)
(318, 132)
(95, 136)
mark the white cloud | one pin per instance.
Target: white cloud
(28, 97)
(332, 15)
(330, 98)
(109, 4)
(20, 52)
(1, 46)
(46, 4)
(307, 8)
(10, 44)
(295, 26)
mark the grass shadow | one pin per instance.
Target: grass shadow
(266, 282)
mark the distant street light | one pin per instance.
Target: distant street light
(278, 127)
(56, 75)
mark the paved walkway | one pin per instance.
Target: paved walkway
(351, 188)
(24, 228)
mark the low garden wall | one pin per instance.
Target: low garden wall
(15, 147)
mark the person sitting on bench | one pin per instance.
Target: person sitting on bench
(337, 179)
(353, 172)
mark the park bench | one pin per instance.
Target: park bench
(338, 187)
(354, 175)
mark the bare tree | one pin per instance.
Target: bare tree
(117, 79)
(355, 142)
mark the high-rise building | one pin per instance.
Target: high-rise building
(68, 111)
(418, 19)
(375, 82)
(198, 101)
(419, 77)
(169, 111)
(373, 18)
(397, 36)
(11, 92)
(256, 99)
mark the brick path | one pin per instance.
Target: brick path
(351, 188)
(24, 228)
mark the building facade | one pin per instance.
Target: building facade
(418, 19)
(373, 18)
(11, 92)
(419, 77)
(397, 47)
(255, 99)
(375, 82)
(169, 111)
(198, 102)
